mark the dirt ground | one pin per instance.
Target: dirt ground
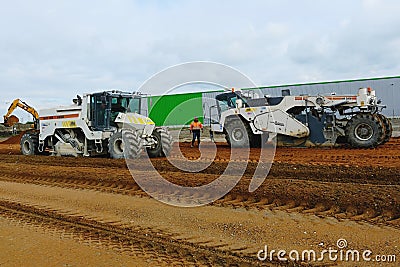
(89, 211)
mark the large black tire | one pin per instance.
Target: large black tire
(382, 124)
(133, 144)
(116, 146)
(256, 140)
(29, 144)
(388, 128)
(237, 133)
(364, 130)
(125, 144)
(163, 145)
(227, 139)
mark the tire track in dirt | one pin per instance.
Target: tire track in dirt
(283, 170)
(387, 155)
(374, 203)
(128, 240)
(338, 182)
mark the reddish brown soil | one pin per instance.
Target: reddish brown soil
(387, 155)
(13, 139)
(353, 181)
(356, 184)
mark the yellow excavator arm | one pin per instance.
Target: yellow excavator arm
(18, 103)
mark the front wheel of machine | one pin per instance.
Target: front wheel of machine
(237, 133)
(133, 144)
(364, 131)
(29, 144)
(163, 146)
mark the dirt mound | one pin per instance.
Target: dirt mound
(13, 139)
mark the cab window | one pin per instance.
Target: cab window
(134, 105)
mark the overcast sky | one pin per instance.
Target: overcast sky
(52, 50)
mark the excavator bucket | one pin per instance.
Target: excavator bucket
(11, 121)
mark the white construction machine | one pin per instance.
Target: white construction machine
(301, 120)
(107, 123)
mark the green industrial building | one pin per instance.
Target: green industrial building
(178, 109)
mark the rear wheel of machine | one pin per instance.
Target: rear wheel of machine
(227, 139)
(256, 140)
(116, 146)
(29, 144)
(163, 140)
(388, 128)
(382, 124)
(364, 131)
(237, 133)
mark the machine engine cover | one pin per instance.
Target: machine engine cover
(135, 121)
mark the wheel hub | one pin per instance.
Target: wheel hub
(119, 146)
(237, 134)
(27, 146)
(364, 132)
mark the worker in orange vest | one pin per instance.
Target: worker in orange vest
(195, 128)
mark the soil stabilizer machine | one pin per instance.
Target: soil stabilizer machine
(302, 120)
(107, 123)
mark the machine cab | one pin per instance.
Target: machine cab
(105, 107)
(224, 102)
